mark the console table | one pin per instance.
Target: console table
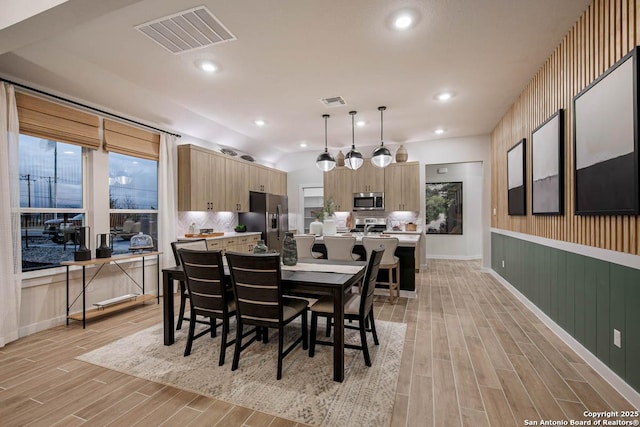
(101, 262)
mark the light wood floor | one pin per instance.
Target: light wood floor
(473, 356)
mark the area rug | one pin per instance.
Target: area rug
(306, 393)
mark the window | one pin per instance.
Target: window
(133, 199)
(51, 200)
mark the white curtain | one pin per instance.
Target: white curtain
(167, 204)
(10, 243)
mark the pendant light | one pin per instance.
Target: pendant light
(353, 159)
(381, 156)
(325, 161)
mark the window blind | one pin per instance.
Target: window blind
(129, 140)
(46, 119)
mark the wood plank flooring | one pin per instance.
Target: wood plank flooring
(473, 356)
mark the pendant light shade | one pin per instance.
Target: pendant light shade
(353, 159)
(381, 156)
(325, 161)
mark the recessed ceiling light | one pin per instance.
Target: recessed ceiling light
(444, 96)
(361, 123)
(303, 144)
(439, 131)
(259, 122)
(403, 19)
(207, 66)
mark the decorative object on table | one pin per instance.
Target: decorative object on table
(547, 164)
(105, 245)
(402, 155)
(83, 251)
(606, 141)
(260, 248)
(443, 211)
(325, 161)
(354, 159)
(289, 250)
(240, 228)
(381, 156)
(410, 226)
(315, 228)
(516, 179)
(340, 158)
(141, 242)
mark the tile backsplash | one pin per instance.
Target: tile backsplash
(218, 221)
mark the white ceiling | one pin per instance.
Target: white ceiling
(289, 54)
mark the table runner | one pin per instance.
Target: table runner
(324, 268)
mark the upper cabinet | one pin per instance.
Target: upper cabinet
(209, 181)
(368, 179)
(199, 175)
(337, 187)
(402, 187)
(237, 183)
(267, 180)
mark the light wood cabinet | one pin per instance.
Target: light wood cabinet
(243, 244)
(267, 180)
(237, 186)
(200, 173)
(337, 187)
(402, 187)
(368, 179)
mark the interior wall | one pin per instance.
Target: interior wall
(468, 245)
(603, 34)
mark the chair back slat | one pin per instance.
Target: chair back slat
(370, 277)
(389, 243)
(255, 279)
(204, 274)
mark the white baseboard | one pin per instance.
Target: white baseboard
(40, 326)
(605, 372)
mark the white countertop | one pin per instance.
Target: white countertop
(404, 239)
(227, 234)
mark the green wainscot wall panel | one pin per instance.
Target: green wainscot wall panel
(632, 300)
(587, 297)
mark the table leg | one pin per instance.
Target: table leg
(158, 278)
(338, 335)
(167, 308)
(67, 295)
(84, 306)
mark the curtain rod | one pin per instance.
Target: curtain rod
(87, 107)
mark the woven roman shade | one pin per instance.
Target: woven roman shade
(46, 119)
(132, 141)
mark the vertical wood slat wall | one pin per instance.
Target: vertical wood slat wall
(606, 31)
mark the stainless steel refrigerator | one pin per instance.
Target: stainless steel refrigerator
(269, 215)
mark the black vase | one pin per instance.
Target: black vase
(289, 250)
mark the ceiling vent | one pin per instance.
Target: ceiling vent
(334, 101)
(185, 31)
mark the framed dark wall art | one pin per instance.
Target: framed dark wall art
(547, 164)
(443, 211)
(516, 182)
(606, 142)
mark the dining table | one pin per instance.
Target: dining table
(309, 278)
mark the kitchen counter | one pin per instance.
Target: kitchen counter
(227, 234)
(404, 239)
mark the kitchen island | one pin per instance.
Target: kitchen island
(407, 251)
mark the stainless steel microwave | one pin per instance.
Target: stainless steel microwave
(368, 201)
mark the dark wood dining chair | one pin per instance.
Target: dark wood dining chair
(208, 296)
(255, 279)
(199, 245)
(357, 308)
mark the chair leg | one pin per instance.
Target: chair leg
(372, 322)
(238, 347)
(398, 280)
(280, 350)
(305, 331)
(183, 300)
(192, 329)
(223, 342)
(328, 331)
(312, 333)
(363, 339)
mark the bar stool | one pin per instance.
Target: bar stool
(389, 262)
